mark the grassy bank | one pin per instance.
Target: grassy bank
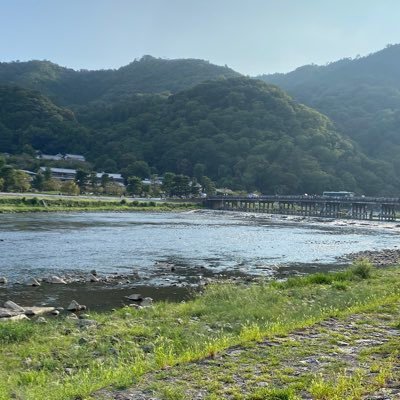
(38, 204)
(60, 360)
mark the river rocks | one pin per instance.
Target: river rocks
(7, 313)
(135, 297)
(56, 280)
(75, 306)
(146, 302)
(379, 258)
(14, 307)
(87, 323)
(41, 320)
(55, 313)
(31, 311)
(93, 278)
(33, 282)
(19, 317)
(3, 280)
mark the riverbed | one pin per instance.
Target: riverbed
(168, 254)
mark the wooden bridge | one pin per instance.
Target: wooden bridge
(366, 208)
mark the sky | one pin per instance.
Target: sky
(250, 36)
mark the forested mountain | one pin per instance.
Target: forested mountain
(29, 119)
(362, 96)
(148, 75)
(195, 118)
(240, 132)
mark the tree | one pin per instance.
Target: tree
(208, 186)
(38, 181)
(114, 189)
(70, 187)
(105, 178)
(7, 173)
(93, 180)
(181, 186)
(47, 174)
(81, 179)
(135, 186)
(22, 181)
(1, 184)
(52, 185)
(168, 183)
(138, 168)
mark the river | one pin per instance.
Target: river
(168, 249)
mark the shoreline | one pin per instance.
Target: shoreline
(31, 204)
(79, 355)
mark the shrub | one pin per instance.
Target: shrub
(362, 268)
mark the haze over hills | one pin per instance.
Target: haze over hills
(194, 118)
(361, 95)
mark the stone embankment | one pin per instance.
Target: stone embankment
(380, 258)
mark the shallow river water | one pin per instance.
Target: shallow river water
(195, 243)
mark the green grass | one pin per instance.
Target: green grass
(9, 204)
(61, 361)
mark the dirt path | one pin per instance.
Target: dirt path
(354, 358)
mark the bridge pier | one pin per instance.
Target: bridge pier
(388, 212)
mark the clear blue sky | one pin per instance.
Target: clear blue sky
(251, 36)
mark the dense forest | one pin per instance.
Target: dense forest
(148, 75)
(240, 132)
(30, 121)
(361, 95)
(193, 118)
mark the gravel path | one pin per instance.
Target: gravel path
(362, 350)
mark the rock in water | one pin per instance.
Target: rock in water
(33, 282)
(56, 280)
(3, 280)
(73, 306)
(135, 297)
(93, 278)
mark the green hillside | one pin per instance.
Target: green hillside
(240, 132)
(147, 75)
(362, 96)
(29, 119)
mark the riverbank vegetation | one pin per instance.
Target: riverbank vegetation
(71, 359)
(10, 204)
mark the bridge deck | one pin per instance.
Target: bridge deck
(372, 208)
